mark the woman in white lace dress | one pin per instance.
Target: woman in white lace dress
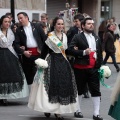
(12, 80)
(56, 92)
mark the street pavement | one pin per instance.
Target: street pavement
(18, 110)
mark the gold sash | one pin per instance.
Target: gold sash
(58, 44)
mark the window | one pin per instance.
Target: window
(106, 9)
(35, 16)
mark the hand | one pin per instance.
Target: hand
(88, 51)
(22, 47)
(27, 53)
(75, 48)
(45, 30)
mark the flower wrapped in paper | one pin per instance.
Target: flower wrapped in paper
(104, 72)
(41, 63)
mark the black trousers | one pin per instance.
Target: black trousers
(90, 77)
(112, 55)
(29, 68)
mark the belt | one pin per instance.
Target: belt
(34, 51)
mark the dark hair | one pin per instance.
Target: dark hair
(107, 29)
(23, 13)
(2, 18)
(83, 22)
(43, 24)
(80, 17)
(108, 26)
(8, 14)
(55, 21)
(34, 21)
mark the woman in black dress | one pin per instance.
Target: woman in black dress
(12, 80)
(57, 91)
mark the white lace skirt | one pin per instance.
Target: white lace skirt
(38, 101)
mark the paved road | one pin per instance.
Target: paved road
(18, 110)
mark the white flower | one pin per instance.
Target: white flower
(41, 63)
(107, 71)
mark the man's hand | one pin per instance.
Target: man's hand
(75, 48)
(27, 53)
(22, 47)
(88, 51)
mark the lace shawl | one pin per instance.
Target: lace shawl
(7, 41)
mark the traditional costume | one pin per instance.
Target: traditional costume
(12, 79)
(114, 110)
(56, 91)
(86, 68)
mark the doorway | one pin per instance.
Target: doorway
(106, 9)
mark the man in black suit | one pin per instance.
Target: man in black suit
(29, 40)
(86, 47)
(76, 28)
(44, 19)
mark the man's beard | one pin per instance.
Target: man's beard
(88, 31)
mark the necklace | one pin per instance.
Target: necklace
(58, 37)
(4, 32)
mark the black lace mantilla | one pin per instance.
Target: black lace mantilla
(59, 80)
(11, 74)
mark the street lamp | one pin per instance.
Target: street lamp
(12, 9)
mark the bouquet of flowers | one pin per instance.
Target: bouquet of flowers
(104, 72)
(41, 63)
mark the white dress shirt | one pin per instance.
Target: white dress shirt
(91, 42)
(31, 42)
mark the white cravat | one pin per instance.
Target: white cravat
(91, 41)
(31, 42)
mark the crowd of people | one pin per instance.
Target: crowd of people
(73, 57)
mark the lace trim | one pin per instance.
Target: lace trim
(62, 98)
(8, 88)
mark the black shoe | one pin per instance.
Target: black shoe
(86, 95)
(5, 102)
(1, 102)
(78, 115)
(118, 69)
(98, 117)
(47, 115)
(58, 117)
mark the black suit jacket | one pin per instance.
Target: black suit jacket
(20, 37)
(80, 41)
(71, 32)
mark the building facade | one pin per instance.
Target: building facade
(99, 10)
(34, 8)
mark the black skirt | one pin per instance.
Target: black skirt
(11, 76)
(59, 80)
